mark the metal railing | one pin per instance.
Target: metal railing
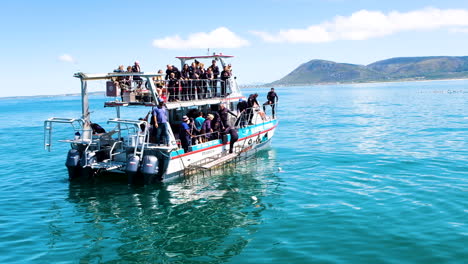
(173, 90)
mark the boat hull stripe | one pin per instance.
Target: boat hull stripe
(215, 146)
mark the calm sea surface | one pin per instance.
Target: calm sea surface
(371, 173)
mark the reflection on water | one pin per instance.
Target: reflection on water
(196, 219)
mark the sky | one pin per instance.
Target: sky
(45, 42)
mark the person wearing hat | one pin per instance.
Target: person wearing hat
(184, 134)
(161, 127)
(206, 127)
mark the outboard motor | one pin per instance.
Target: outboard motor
(133, 164)
(73, 163)
(149, 168)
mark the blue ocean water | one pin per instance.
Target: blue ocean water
(368, 173)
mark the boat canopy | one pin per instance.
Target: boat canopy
(217, 57)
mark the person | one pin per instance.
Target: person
(198, 122)
(209, 82)
(251, 103)
(160, 123)
(185, 82)
(241, 112)
(206, 127)
(173, 87)
(137, 78)
(172, 69)
(215, 70)
(272, 98)
(225, 75)
(159, 82)
(119, 81)
(216, 126)
(202, 83)
(234, 137)
(223, 114)
(184, 134)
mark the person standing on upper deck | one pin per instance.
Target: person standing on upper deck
(160, 123)
(272, 98)
(225, 75)
(215, 70)
(172, 69)
(137, 78)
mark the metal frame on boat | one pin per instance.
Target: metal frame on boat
(127, 149)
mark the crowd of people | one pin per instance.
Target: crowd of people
(198, 127)
(191, 82)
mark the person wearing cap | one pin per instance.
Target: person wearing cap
(161, 127)
(272, 98)
(206, 127)
(184, 134)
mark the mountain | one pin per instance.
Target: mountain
(394, 69)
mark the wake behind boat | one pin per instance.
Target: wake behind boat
(160, 149)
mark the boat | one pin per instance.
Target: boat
(130, 148)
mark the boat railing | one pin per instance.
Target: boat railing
(76, 123)
(135, 136)
(138, 91)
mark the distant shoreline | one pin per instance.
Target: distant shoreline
(369, 82)
(243, 87)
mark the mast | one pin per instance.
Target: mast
(87, 132)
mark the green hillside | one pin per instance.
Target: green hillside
(394, 69)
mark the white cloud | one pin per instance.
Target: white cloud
(459, 30)
(366, 24)
(218, 38)
(66, 58)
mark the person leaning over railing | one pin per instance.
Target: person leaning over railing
(241, 112)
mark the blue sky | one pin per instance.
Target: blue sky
(45, 42)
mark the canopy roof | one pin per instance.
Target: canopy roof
(214, 56)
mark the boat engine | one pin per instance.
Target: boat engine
(149, 168)
(72, 163)
(133, 163)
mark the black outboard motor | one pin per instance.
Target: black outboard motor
(73, 163)
(149, 168)
(133, 164)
